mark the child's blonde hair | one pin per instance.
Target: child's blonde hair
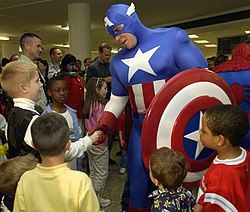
(16, 73)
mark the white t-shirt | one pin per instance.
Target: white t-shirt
(69, 120)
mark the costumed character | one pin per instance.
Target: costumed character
(236, 72)
(149, 58)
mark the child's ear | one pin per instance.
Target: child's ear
(221, 141)
(97, 90)
(67, 147)
(156, 182)
(22, 88)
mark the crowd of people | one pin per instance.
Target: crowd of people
(56, 115)
(59, 86)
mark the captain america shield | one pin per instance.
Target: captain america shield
(173, 118)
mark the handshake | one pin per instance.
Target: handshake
(106, 124)
(97, 137)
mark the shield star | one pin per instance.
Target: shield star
(195, 136)
(140, 62)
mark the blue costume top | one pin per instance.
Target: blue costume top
(158, 55)
(139, 73)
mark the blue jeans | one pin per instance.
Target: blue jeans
(123, 163)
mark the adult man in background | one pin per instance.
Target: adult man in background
(100, 67)
(56, 56)
(31, 45)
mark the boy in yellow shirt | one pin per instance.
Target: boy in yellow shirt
(52, 186)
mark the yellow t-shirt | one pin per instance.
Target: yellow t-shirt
(54, 189)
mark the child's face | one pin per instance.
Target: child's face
(206, 137)
(34, 87)
(58, 92)
(103, 90)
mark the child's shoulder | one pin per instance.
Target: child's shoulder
(48, 108)
(17, 112)
(70, 109)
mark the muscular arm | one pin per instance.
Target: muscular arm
(116, 104)
(186, 54)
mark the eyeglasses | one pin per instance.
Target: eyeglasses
(59, 90)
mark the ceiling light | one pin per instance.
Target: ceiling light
(62, 45)
(64, 27)
(201, 41)
(247, 31)
(193, 36)
(210, 45)
(4, 38)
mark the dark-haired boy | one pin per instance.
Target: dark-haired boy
(226, 184)
(68, 190)
(168, 168)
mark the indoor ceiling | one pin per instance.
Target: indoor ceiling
(44, 16)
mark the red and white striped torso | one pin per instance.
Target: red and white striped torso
(141, 95)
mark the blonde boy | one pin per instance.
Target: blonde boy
(21, 82)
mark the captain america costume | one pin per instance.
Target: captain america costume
(138, 74)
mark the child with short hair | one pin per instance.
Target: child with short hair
(21, 82)
(98, 154)
(226, 184)
(10, 172)
(57, 90)
(168, 168)
(52, 186)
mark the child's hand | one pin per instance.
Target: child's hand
(122, 143)
(97, 137)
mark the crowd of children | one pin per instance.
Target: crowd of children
(40, 146)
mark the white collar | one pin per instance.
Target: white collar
(234, 161)
(25, 58)
(25, 103)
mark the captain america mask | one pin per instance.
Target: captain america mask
(122, 14)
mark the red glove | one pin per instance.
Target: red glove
(106, 123)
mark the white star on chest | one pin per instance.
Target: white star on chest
(140, 61)
(195, 136)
